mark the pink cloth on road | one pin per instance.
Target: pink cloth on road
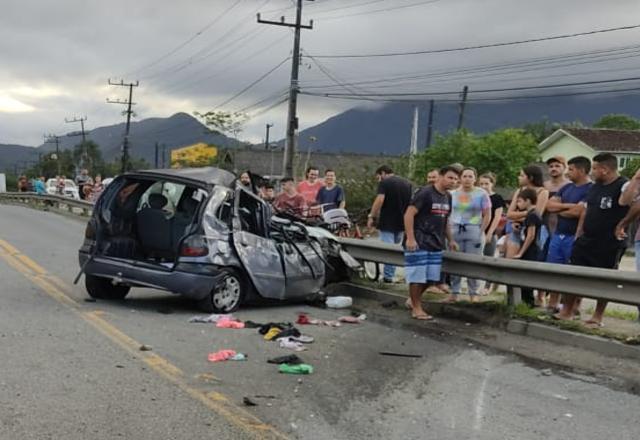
(229, 323)
(221, 355)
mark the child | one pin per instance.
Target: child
(529, 230)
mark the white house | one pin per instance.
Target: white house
(588, 142)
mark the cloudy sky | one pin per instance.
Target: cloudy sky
(195, 55)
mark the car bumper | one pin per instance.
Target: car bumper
(194, 281)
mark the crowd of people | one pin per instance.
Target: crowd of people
(581, 215)
(309, 198)
(89, 188)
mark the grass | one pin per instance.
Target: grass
(627, 315)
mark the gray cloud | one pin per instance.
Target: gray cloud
(57, 56)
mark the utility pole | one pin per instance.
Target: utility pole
(432, 106)
(292, 119)
(156, 156)
(85, 154)
(51, 139)
(266, 142)
(463, 104)
(129, 103)
(413, 150)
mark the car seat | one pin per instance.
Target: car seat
(154, 229)
(182, 219)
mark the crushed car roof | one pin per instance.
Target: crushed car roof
(207, 175)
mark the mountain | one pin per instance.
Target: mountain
(11, 155)
(387, 129)
(176, 131)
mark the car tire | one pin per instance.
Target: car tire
(103, 288)
(227, 296)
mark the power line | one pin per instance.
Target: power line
(263, 76)
(509, 89)
(377, 11)
(187, 41)
(483, 46)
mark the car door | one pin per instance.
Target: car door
(303, 267)
(256, 251)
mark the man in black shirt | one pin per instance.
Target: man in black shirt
(388, 208)
(596, 244)
(426, 224)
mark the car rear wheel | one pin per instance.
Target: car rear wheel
(103, 288)
(227, 296)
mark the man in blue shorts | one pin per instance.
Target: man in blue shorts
(426, 225)
(567, 204)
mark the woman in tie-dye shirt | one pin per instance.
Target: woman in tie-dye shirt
(470, 217)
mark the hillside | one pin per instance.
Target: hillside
(176, 131)
(10, 155)
(387, 129)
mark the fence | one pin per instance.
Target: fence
(605, 284)
(48, 202)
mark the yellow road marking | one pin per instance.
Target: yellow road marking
(215, 401)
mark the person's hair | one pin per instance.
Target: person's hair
(608, 160)
(534, 174)
(268, 185)
(528, 194)
(247, 172)
(489, 176)
(475, 172)
(581, 162)
(384, 169)
(306, 174)
(329, 170)
(286, 179)
(449, 168)
(433, 170)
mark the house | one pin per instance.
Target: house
(588, 142)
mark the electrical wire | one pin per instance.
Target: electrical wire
(483, 46)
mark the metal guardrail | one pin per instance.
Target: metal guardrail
(48, 201)
(606, 284)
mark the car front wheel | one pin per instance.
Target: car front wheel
(103, 288)
(227, 296)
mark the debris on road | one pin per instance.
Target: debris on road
(339, 302)
(296, 369)
(392, 304)
(291, 344)
(229, 323)
(408, 355)
(272, 334)
(291, 359)
(353, 319)
(209, 319)
(303, 319)
(248, 402)
(226, 355)
(144, 347)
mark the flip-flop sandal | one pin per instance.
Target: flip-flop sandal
(593, 324)
(422, 317)
(436, 290)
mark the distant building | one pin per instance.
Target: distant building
(588, 142)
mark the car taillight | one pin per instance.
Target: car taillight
(194, 246)
(90, 231)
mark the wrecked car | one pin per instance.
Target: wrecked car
(194, 232)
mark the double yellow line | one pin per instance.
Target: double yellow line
(215, 401)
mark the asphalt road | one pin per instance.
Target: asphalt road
(72, 369)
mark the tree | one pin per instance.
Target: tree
(223, 122)
(503, 152)
(618, 122)
(631, 168)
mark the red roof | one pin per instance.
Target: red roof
(601, 139)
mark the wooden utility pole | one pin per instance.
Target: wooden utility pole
(292, 119)
(129, 103)
(266, 141)
(432, 106)
(413, 149)
(53, 139)
(463, 104)
(84, 153)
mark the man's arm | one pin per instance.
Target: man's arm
(409, 217)
(496, 221)
(583, 214)
(631, 191)
(486, 218)
(375, 209)
(573, 211)
(453, 246)
(341, 199)
(555, 204)
(632, 215)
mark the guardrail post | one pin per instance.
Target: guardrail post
(514, 295)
